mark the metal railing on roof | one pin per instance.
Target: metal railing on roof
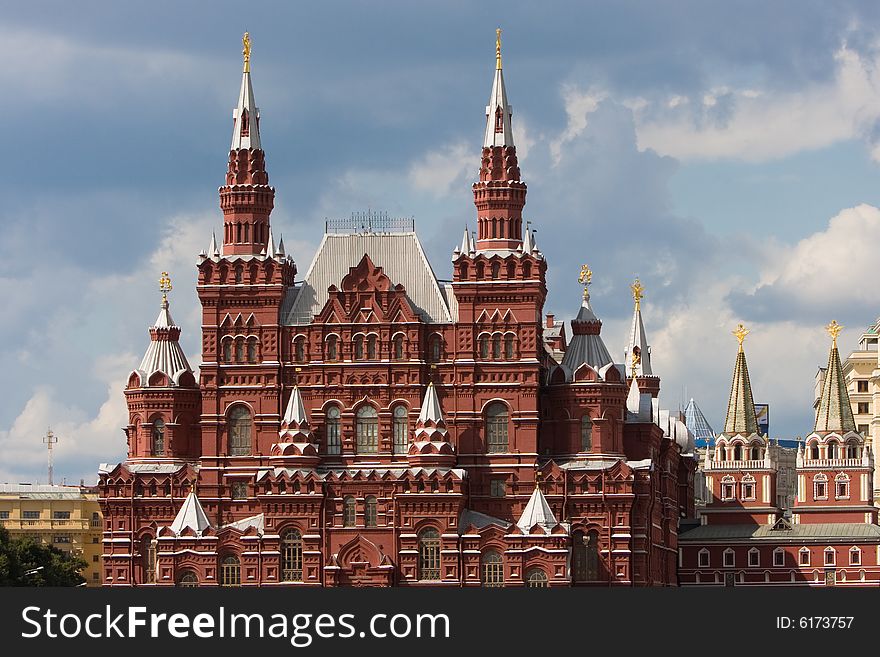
(370, 221)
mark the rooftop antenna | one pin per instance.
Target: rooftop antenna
(49, 440)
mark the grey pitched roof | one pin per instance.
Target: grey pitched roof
(399, 254)
(479, 520)
(537, 512)
(797, 533)
(585, 347)
(835, 411)
(191, 515)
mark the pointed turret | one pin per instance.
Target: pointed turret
(537, 512)
(246, 199)
(164, 354)
(295, 424)
(835, 411)
(741, 416)
(191, 516)
(638, 352)
(500, 194)
(431, 447)
(586, 346)
(698, 425)
(296, 443)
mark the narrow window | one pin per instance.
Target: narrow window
(484, 347)
(291, 556)
(586, 433)
(496, 347)
(230, 571)
(703, 558)
(429, 554)
(239, 431)
(159, 438)
(855, 556)
(401, 430)
(367, 430)
(239, 350)
(829, 556)
(778, 557)
(299, 350)
(754, 558)
(227, 351)
(370, 511)
(332, 348)
(371, 347)
(436, 348)
(359, 347)
(348, 512)
(334, 443)
(804, 557)
(496, 427)
(398, 347)
(729, 558)
(508, 347)
(491, 569)
(149, 552)
(252, 350)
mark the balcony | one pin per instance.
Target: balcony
(834, 463)
(760, 464)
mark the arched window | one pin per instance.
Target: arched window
(832, 450)
(332, 347)
(238, 275)
(496, 427)
(189, 580)
(359, 347)
(299, 350)
(508, 346)
(536, 579)
(436, 348)
(804, 556)
(429, 554)
(852, 450)
(754, 558)
(755, 453)
(349, 512)
(703, 558)
(841, 486)
(158, 447)
(496, 270)
(239, 431)
(737, 453)
(239, 350)
(511, 270)
(820, 487)
(855, 556)
(372, 341)
(398, 347)
(728, 488)
(527, 270)
(579, 557)
(291, 556)
(227, 351)
(331, 426)
(370, 511)
(252, 350)
(484, 346)
(230, 571)
(491, 569)
(148, 550)
(401, 430)
(496, 347)
(830, 556)
(367, 429)
(586, 433)
(747, 487)
(814, 450)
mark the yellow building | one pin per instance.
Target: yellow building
(862, 372)
(68, 517)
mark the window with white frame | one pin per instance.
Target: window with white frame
(703, 558)
(729, 558)
(804, 556)
(830, 556)
(728, 488)
(747, 487)
(855, 556)
(331, 427)
(841, 486)
(820, 487)
(779, 557)
(754, 558)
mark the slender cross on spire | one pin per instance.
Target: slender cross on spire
(246, 52)
(638, 291)
(585, 279)
(498, 49)
(741, 332)
(165, 285)
(834, 330)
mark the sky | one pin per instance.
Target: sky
(727, 153)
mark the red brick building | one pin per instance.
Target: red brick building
(371, 424)
(829, 537)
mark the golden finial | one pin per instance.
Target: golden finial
(585, 279)
(638, 291)
(165, 285)
(741, 332)
(636, 359)
(834, 330)
(246, 41)
(498, 49)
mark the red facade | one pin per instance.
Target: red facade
(369, 425)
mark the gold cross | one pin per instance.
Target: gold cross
(834, 330)
(585, 279)
(498, 49)
(638, 291)
(164, 284)
(246, 41)
(741, 332)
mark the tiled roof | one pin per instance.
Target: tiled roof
(818, 531)
(835, 411)
(741, 417)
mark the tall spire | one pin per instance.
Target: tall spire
(741, 416)
(638, 353)
(835, 411)
(246, 199)
(498, 111)
(500, 194)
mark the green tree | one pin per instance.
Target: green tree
(25, 562)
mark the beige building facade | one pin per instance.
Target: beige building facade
(67, 517)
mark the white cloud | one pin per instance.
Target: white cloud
(578, 106)
(439, 170)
